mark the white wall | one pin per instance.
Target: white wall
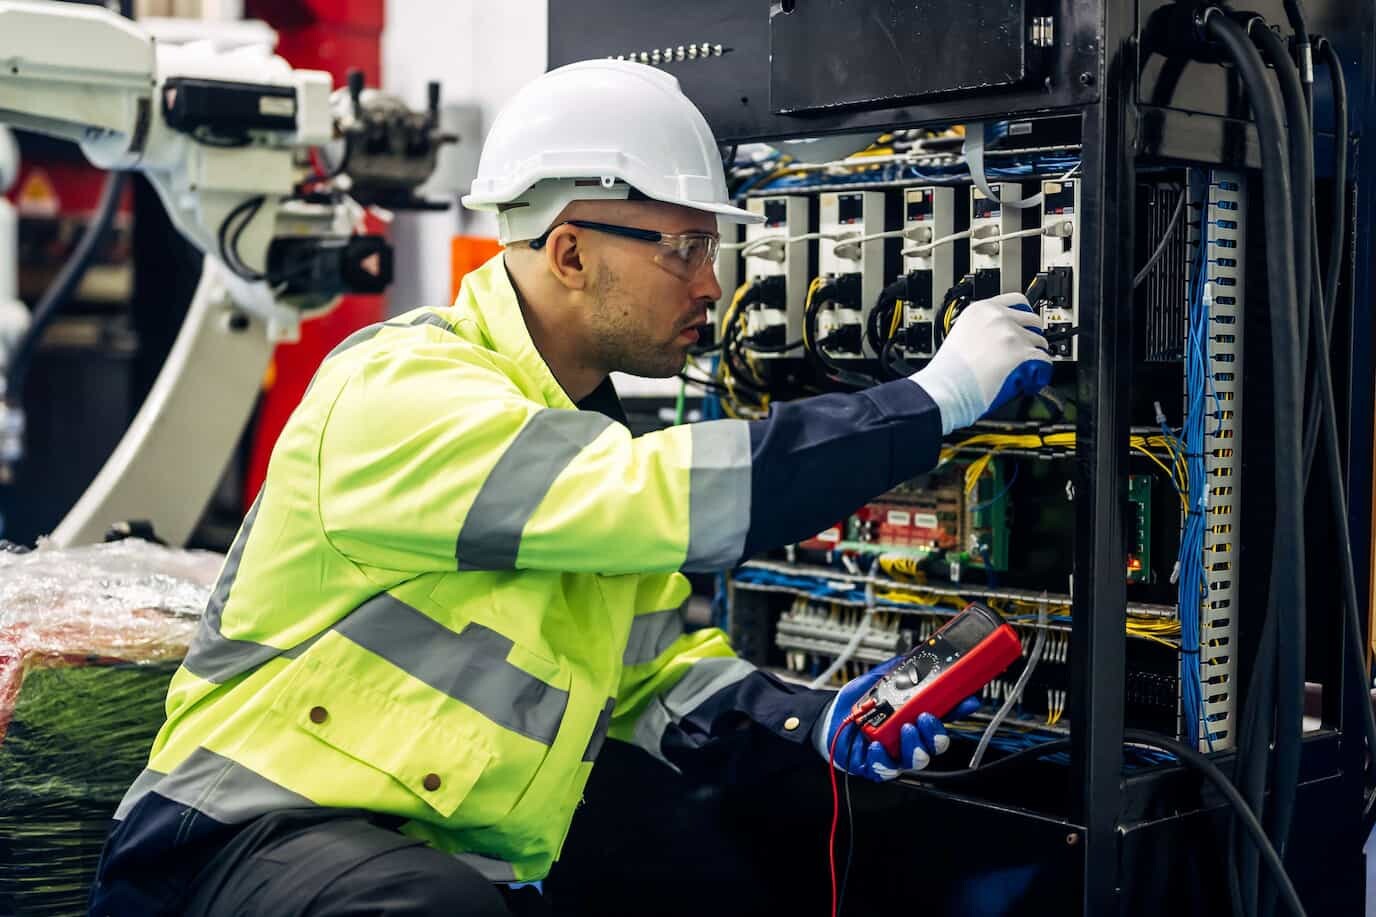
(481, 52)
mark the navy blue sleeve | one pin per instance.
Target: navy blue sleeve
(857, 445)
(747, 731)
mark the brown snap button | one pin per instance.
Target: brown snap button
(319, 715)
(431, 782)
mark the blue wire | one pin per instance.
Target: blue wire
(999, 496)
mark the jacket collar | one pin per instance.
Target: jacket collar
(488, 298)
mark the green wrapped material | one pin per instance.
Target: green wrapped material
(89, 639)
(79, 736)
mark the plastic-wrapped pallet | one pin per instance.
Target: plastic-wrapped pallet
(89, 638)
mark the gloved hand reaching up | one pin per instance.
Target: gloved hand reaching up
(994, 353)
(857, 755)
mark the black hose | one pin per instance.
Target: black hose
(62, 287)
(1287, 568)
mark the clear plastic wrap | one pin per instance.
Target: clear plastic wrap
(89, 638)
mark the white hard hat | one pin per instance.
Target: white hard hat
(598, 129)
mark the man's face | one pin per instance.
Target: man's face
(645, 318)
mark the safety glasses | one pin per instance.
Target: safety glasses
(682, 254)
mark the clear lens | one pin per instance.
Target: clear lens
(685, 254)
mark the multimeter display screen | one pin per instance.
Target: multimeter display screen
(966, 631)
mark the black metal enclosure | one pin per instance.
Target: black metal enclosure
(1149, 841)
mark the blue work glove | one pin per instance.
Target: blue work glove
(854, 754)
(995, 352)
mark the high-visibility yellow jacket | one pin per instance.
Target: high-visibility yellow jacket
(455, 584)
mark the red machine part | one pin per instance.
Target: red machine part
(334, 36)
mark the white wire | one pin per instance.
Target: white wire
(929, 246)
(860, 630)
(1016, 693)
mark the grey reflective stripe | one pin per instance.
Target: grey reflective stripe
(363, 335)
(490, 869)
(137, 790)
(704, 679)
(216, 786)
(652, 634)
(599, 731)
(213, 656)
(470, 666)
(719, 502)
(654, 721)
(491, 533)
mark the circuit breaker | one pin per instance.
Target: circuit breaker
(995, 246)
(929, 259)
(777, 264)
(1061, 264)
(858, 252)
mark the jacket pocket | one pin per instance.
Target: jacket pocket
(436, 764)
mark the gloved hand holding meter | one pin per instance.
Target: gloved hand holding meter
(889, 720)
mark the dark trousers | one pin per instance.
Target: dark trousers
(296, 863)
(645, 842)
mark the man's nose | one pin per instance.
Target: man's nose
(704, 285)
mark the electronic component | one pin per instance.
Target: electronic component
(930, 516)
(928, 218)
(995, 246)
(954, 663)
(854, 244)
(1060, 261)
(1161, 309)
(778, 248)
(1139, 528)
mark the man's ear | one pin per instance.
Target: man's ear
(565, 258)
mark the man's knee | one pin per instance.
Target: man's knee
(412, 882)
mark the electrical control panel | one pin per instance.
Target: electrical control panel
(1060, 263)
(728, 269)
(929, 258)
(777, 257)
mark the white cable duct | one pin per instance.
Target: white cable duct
(1016, 693)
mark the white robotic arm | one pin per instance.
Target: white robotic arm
(227, 140)
(218, 134)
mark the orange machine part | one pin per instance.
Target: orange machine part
(468, 253)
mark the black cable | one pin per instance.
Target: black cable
(228, 239)
(1289, 727)
(709, 384)
(62, 288)
(1340, 146)
(1194, 759)
(1171, 228)
(772, 348)
(1338, 508)
(850, 848)
(1338, 243)
(1286, 599)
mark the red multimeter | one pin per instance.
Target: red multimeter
(971, 650)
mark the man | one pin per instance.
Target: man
(461, 576)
